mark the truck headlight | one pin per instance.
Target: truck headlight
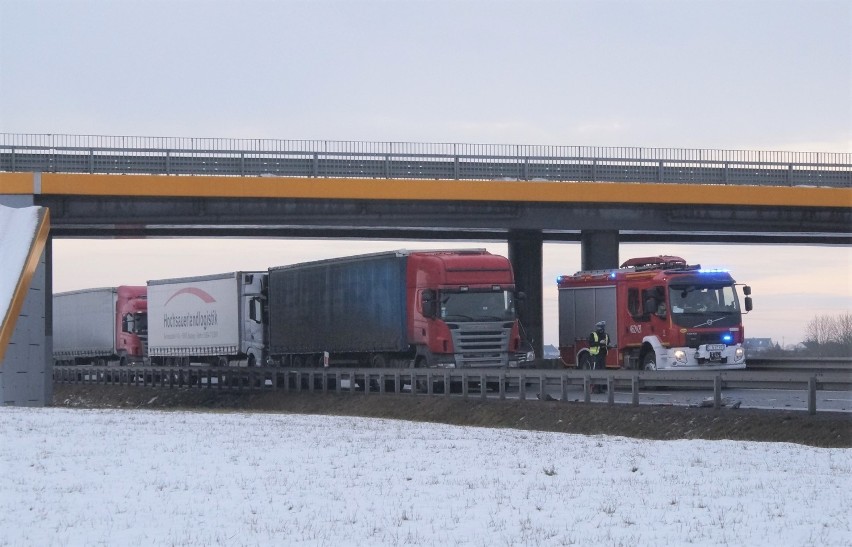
(739, 354)
(680, 356)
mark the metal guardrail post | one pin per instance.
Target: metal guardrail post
(446, 384)
(483, 382)
(587, 389)
(502, 387)
(522, 387)
(812, 385)
(465, 384)
(717, 392)
(610, 390)
(563, 383)
(542, 380)
(634, 389)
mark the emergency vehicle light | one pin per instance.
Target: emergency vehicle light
(727, 338)
(713, 270)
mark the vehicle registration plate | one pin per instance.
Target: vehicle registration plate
(715, 347)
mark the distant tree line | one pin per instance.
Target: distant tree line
(829, 336)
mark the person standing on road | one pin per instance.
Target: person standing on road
(598, 345)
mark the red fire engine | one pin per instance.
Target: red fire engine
(660, 312)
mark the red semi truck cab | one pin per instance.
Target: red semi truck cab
(131, 333)
(463, 309)
(661, 313)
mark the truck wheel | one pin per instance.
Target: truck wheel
(378, 361)
(649, 362)
(585, 362)
(252, 361)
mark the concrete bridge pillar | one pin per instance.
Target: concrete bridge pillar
(525, 254)
(26, 372)
(598, 249)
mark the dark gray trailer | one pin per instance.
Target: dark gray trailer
(452, 308)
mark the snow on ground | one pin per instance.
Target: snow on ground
(17, 229)
(124, 477)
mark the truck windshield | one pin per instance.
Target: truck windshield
(697, 306)
(136, 323)
(478, 306)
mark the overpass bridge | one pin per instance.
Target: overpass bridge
(149, 187)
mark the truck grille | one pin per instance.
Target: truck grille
(695, 339)
(481, 344)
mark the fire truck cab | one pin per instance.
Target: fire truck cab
(661, 313)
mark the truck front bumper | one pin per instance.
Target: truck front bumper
(704, 357)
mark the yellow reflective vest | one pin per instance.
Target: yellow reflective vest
(595, 346)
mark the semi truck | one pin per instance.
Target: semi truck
(214, 320)
(100, 326)
(442, 308)
(660, 313)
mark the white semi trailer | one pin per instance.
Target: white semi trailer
(214, 319)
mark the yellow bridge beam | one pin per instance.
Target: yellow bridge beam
(202, 186)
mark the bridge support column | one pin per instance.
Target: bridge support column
(598, 249)
(525, 254)
(26, 372)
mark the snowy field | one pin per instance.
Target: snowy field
(122, 477)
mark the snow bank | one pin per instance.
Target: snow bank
(119, 477)
(17, 231)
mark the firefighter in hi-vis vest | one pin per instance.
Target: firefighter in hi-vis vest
(598, 344)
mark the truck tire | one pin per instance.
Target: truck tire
(378, 360)
(649, 362)
(585, 362)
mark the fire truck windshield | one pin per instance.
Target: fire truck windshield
(478, 306)
(710, 305)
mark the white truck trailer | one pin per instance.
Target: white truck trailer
(214, 320)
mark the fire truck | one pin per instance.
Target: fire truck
(660, 313)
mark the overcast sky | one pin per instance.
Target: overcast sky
(771, 75)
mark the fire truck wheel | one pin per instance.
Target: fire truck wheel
(585, 362)
(649, 362)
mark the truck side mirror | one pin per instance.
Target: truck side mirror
(746, 290)
(748, 303)
(255, 312)
(428, 302)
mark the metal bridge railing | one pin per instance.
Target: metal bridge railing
(400, 160)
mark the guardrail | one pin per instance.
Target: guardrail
(821, 364)
(466, 383)
(396, 160)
